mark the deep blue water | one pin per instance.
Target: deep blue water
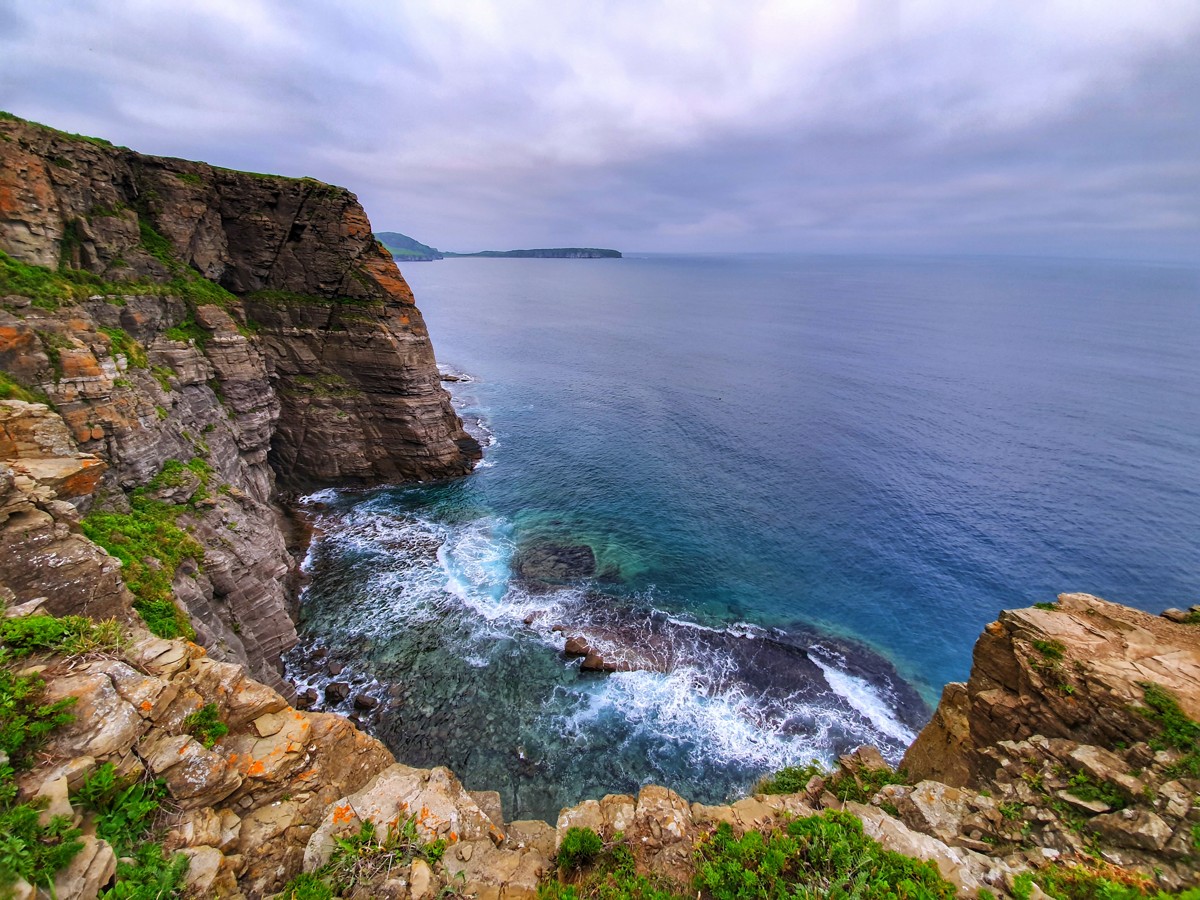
(888, 450)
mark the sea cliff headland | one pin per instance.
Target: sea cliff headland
(183, 347)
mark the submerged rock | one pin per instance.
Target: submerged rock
(555, 563)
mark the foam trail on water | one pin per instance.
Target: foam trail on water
(864, 697)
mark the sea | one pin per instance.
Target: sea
(793, 489)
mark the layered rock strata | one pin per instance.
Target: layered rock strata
(185, 312)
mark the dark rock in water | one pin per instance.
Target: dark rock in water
(594, 662)
(306, 698)
(365, 702)
(556, 563)
(335, 668)
(576, 646)
(318, 653)
(336, 692)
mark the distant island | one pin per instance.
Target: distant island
(401, 246)
(549, 253)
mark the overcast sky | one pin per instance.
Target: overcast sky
(1043, 127)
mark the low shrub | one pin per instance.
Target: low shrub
(825, 855)
(205, 725)
(579, 847)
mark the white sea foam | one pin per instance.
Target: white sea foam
(862, 696)
(417, 571)
(726, 727)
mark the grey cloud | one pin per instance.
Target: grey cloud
(998, 128)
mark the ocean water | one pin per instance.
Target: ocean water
(808, 483)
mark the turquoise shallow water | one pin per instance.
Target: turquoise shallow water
(841, 468)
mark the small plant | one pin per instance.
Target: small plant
(1012, 811)
(24, 720)
(123, 810)
(1052, 650)
(790, 779)
(579, 847)
(1081, 786)
(1178, 731)
(187, 331)
(305, 886)
(29, 848)
(205, 725)
(1066, 688)
(1047, 606)
(120, 341)
(612, 876)
(362, 857)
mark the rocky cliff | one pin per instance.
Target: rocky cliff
(207, 337)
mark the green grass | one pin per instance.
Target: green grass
(790, 779)
(611, 875)
(1178, 731)
(46, 288)
(579, 847)
(1052, 650)
(188, 330)
(1081, 786)
(1085, 882)
(50, 289)
(151, 547)
(205, 725)
(305, 886)
(1047, 606)
(825, 855)
(124, 811)
(69, 635)
(12, 390)
(28, 849)
(189, 178)
(121, 341)
(859, 787)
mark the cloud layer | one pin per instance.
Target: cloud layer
(923, 126)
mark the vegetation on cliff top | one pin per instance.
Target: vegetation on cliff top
(36, 848)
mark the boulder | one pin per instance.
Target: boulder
(91, 869)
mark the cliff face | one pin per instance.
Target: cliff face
(205, 335)
(332, 323)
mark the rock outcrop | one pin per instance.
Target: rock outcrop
(184, 312)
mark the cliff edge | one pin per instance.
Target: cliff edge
(205, 338)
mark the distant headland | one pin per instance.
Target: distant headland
(401, 246)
